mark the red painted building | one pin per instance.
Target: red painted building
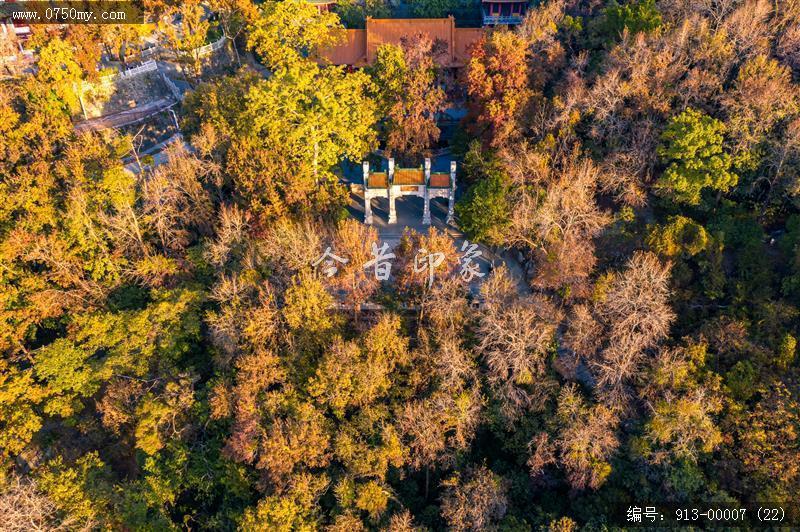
(360, 47)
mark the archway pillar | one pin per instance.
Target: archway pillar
(451, 198)
(367, 195)
(426, 198)
(390, 179)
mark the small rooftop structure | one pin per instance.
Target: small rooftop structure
(503, 12)
(19, 29)
(323, 5)
(12, 39)
(360, 47)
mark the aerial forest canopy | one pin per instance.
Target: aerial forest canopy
(172, 359)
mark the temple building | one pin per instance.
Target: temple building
(360, 47)
(398, 182)
(503, 12)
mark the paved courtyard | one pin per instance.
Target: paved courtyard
(409, 214)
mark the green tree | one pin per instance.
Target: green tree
(20, 419)
(189, 37)
(372, 498)
(684, 400)
(234, 16)
(388, 75)
(280, 138)
(349, 377)
(435, 8)
(353, 14)
(296, 509)
(484, 213)
(59, 70)
(635, 16)
(692, 144)
(679, 236)
(80, 490)
(768, 445)
(289, 32)
(306, 305)
(786, 352)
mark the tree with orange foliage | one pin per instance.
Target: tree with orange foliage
(514, 337)
(355, 241)
(559, 224)
(474, 501)
(424, 260)
(585, 441)
(497, 85)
